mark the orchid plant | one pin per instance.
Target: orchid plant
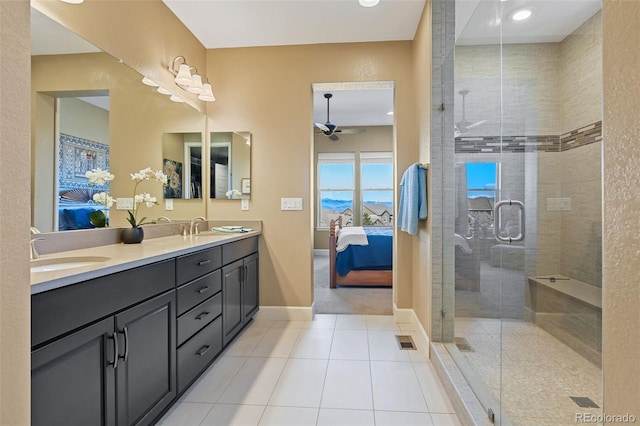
(100, 177)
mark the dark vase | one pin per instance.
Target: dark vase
(132, 235)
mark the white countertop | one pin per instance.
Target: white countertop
(127, 256)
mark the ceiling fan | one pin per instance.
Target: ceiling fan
(329, 129)
(463, 126)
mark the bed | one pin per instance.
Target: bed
(361, 265)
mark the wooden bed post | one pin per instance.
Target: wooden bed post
(332, 250)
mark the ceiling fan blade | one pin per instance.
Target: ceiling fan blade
(350, 131)
(333, 137)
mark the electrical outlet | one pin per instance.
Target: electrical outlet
(124, 204)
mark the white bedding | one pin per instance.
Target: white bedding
(354, 235)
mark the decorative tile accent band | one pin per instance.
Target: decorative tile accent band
(583, 136)
(537, 143)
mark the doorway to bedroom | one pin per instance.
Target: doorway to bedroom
(353, 146)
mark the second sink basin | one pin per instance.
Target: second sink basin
(60, 263)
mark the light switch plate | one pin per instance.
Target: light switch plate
(168, 204)
(124, 204)
(291, 204)
(244, 204)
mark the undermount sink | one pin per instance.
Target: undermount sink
(61, 263)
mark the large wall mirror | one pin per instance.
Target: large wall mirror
(90, 110)
(230, 163)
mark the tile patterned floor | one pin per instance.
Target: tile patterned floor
(337, 370)
(530, 372)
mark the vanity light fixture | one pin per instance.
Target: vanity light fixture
(149, 82)
(368, 3)
(192, 83)
(175, 98)
(163, 91)
(521, 15)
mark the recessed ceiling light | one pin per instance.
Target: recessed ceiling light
(521, 15)
(390, 113)
(73, 1)
(368, 3)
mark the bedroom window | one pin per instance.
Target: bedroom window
(336, 186)
(482, 181)
(376, 184)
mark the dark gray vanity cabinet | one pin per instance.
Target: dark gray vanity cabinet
(240, 296)
(199, 313)
(119, 368)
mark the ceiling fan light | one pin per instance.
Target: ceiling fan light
(184, 75)
(368, 3)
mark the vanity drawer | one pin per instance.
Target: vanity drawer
(199, 290)
(239, 249)
(198, 317)
(197, 264)
(198, 352)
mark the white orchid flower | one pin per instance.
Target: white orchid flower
(104, 199)
(161, 177)
(98, 176)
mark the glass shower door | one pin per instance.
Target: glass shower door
(527, 329)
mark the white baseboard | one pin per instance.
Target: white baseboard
(321, 252)
(285, 313)
(408, 316)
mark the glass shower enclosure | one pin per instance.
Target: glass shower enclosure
(528, 204)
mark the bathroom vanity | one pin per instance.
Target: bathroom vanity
(117, 343)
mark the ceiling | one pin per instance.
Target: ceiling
(243, 23)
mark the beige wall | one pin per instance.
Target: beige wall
(83, 120)
(378, 138)
(422, 267)
(268, 91)
(621, 277)
(144, 34)
(15, 299)
(137, 120)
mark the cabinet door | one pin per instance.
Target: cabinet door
(231, 300)
(146, 373)
(72, 380)
(250, 293)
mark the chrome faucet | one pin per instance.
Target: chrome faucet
(194, 225)
(34, 253)
(163, 219)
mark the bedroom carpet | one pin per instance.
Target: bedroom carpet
(347, 300)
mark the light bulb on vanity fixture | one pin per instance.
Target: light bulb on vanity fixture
(189, 82)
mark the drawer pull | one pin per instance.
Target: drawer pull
(202, 315)
(203, 350)
(204, 262)
(202, 289)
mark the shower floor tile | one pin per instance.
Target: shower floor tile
(529, 371)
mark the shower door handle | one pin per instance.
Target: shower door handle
(497, 221)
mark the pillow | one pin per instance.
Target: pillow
(77, 219)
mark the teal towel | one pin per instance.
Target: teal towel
(413, 198)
